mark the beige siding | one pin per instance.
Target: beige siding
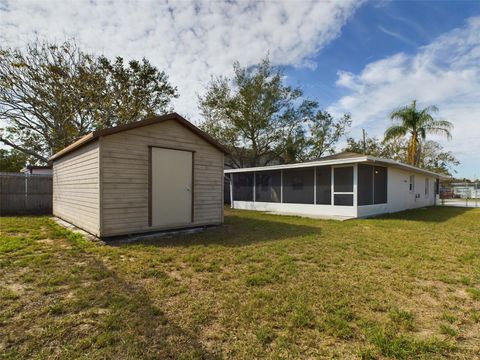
(125, 176)
(76, 188)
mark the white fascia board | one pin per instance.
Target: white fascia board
(299, 165)
(406, 167)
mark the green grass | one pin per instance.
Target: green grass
(262, 286)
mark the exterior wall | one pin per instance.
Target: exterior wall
(125, 174)
(76, 188)
(399, 195)
(299, 209)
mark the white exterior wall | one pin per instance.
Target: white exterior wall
(299, 209)
(399, 195)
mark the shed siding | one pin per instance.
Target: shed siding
(125, 176)
(76, 188)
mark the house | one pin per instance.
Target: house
(465, 190)
(346, 185)
(161, 173)
(36, 170)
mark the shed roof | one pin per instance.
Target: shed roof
(148, 121)
(340, 159)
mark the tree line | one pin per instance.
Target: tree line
(53, 94)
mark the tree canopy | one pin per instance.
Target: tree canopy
(12, 160)
(432, 156)
(262, 120)
(416, 123)
(50, 95)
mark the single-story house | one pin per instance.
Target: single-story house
(160, 173)
(465, 190)
(346, 185)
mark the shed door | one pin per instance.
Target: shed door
(171, 187)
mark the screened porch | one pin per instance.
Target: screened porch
(323, 187)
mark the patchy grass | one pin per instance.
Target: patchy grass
(261, 286)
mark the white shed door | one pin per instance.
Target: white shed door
(171, 187)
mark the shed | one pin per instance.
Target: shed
(157, 174)
(345, 185)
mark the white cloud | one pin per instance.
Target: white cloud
(445, 73)
(191, 41)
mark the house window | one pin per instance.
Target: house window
(267, 187)
(427, 186)
(412, 183)
(380, 185)
(372, 184)
(324, 185)
(243, 187)
(343, 186)
(298, 186)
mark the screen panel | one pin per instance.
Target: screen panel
(298, 186)
(343, 179)
(243, 186)
(267, 186)
(380, 185)
(343, 199)
(324, 185)
(365, 184)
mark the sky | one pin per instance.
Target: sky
(365, 58)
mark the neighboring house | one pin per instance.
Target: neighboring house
(37, 170)
(343, 185)
(465, 190)
(157, 174)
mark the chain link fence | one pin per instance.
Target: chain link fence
(462, 194)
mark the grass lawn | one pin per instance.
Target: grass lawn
(402, 286)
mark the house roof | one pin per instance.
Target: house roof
(340, 159)
(146, 122)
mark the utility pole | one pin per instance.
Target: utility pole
(364, 141)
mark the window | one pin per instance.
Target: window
(412, 183)
(372, 184)
(343, 186)
(427, 187)
(243, 186)
(380, 184)
(298, 186)
(343, 199)
(365, 184)
(324, 185)
(267, 186)
(343, 179)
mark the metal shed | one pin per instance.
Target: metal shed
(157, 174)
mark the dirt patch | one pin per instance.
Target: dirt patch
(46, 241)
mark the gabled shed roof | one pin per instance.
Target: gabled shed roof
(149, 121)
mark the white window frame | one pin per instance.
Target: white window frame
(354, 185)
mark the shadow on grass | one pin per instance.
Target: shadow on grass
(150, 333)
(130, 325)
(236, 231)
(434, 214)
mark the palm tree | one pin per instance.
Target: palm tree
(417, 124)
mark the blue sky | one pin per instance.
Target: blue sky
(361, 57)
(379, 29)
